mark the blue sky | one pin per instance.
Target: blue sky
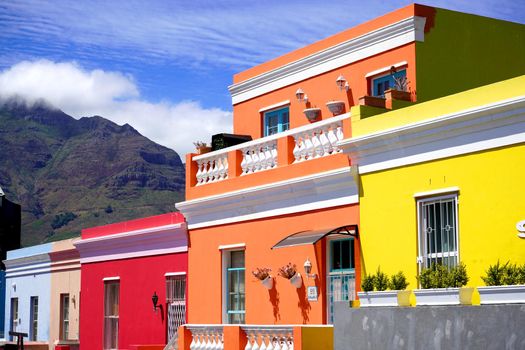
(163, 66)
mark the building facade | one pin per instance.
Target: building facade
(133, 282)
(291, 195)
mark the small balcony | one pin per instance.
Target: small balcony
(296, 152)
(248, 337)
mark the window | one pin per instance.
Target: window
(276, 121)
(33, 319)
(14, 315)
(111, 314)
(176, 301)
(64, 316)
(235, 293)
(341, 275)
(385, 82)
(438, 231)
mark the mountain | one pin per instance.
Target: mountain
(68, 174)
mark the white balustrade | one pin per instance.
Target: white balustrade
(268, 337)
(312, 141)
(319, 141)
(212, 169)
(259, 157)
(207, 337)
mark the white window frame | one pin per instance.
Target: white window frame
(64, 316)
(226, 257)
(33, 318)
(422, 254)
(107, 283)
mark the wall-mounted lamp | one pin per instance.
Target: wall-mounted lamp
(308, 269)
(342, 83)
(301, 96)
(155, 300)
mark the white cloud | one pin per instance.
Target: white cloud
(115, 96)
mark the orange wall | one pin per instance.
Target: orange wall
(283, 304)
(321, 89)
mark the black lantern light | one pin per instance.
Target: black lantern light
(155, 299)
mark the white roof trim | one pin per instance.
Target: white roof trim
(435, 192)
(181, 273)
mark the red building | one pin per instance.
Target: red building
(127, 268)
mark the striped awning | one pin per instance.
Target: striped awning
(313, 236)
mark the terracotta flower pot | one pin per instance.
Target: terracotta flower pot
(267, 282)
(312, 114)
(296, 280)
(336, 107)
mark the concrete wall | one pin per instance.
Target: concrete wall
(433, 327)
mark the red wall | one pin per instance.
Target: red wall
(139, 278)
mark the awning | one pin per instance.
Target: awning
(313, 236)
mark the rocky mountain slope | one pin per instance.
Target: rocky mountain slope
(68, 174)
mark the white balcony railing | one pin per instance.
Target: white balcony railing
(312, 141)
(206, 337)
(269, 337)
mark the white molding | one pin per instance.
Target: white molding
(322, 190)
(180, 273)
(114, 278)
(232, 246)
(166, 239)
(274, 106)
(436, 192)
(475, 129)
(375, 42)
(385, 69)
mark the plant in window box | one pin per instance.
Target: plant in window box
(441, 285)
(400, 89)
(289, 271)
(379, 297)
(263, 275)
(505, 284)
(201, 147)
(336, 107)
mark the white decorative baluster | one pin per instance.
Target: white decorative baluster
(197, 343)
(333, 139)
(277, 344)
(248, 343)
(193, 341)
(262, 159)
(268, 156)
(226, 166)
(308, 147)
(255, 345)
(327, 147)
(274, 155)
(297, 149)
(318, 148)
(249, 161)
(269, 337)
(244, 167)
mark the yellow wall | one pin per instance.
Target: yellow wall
(491, 202)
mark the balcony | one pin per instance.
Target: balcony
(251, 337)
(296, 152)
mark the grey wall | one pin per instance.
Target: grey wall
(499, 327)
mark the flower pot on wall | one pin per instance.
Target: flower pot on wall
(392, 94)
(437, 296)
(336, 107)
(406, 298)
(379, 298)
(502, 294)
(312, 114)
(267, 282)
(296, 280)
(202, 150)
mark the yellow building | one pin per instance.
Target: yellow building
(442, 181)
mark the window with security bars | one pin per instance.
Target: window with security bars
(176, 301)
(111, 314)
(33, 319)
(438, 231)
(64, 316)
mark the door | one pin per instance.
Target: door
(176, 302)
(341, 273)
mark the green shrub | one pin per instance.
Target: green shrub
(62, 219)
(398, 281)
(458, 276)
(511, 274)
(367, 284)
(440, 276)
(495, 274)
(521, 274)
(380, 280)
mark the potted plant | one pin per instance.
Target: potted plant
(399, 283)
(263, 275)
(201, 147)
(336, 107)
(379, 297)
(312, 114)
(440, 285)
(505, 284)
(289, 271)
(399, 91)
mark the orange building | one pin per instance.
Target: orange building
(290, 195)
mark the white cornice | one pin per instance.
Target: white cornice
(380, 40)
(322, 190)
(158, 240)
(29, 265)
(476, 129)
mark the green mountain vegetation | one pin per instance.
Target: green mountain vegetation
(69, 174)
